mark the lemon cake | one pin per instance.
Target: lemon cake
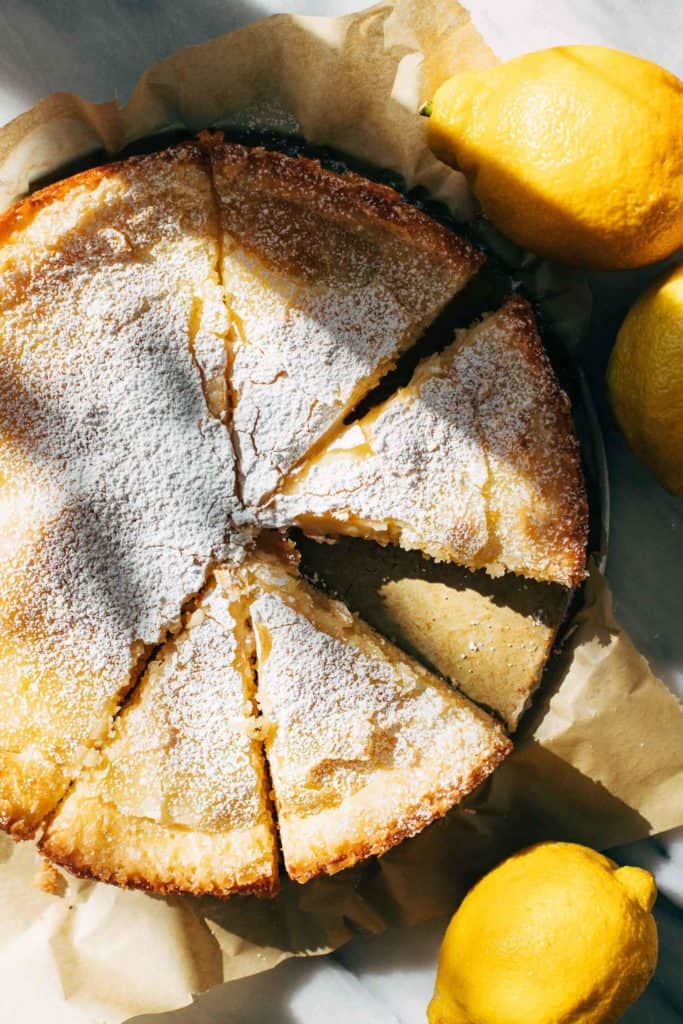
(328, 278)
(177, 800)
(117, 482)
(475, 461)
(183, 338)
(365, 746)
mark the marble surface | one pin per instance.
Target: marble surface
(98, 48)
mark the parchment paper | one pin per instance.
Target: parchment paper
(599, 757)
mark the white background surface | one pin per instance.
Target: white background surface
(98, 48)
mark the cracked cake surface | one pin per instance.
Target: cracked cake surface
(177, 799)
(118, 482)
(328, 279)
(475, 461)
(365, 746)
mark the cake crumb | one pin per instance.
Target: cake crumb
(48, 879)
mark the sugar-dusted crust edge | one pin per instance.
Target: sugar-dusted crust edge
(93, 839)
(348, 196)
(91, 836)
(573, 517)
(23, 211)
(379, 836)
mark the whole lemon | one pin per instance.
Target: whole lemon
(557, 934)
(645, 379)
(574, 152)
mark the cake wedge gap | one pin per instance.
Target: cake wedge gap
(490, 637)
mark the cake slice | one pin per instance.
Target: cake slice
(177, 800)
(474, 462)
(328, 278)
(116, 481)
(365, 746)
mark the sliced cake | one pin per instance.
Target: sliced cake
(177, 800)
(117, 483)
(365, 746)
(328, 278)
(475, 461)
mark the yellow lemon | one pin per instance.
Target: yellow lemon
(645, 379)
(574, 152)
(557, 934)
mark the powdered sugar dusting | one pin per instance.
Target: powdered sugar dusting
(297, 369)
(183, 754)
(415, 471)
(123, 478)
(343, 705)
(536, 499)
(474, 462)
(326, 286)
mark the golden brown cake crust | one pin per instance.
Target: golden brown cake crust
(346, 196)
(565, 479)
(414, 820)
(138, 854)
(321, 270)
(17, 217)
(177, 800)
(365, 746)
(22, 809)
